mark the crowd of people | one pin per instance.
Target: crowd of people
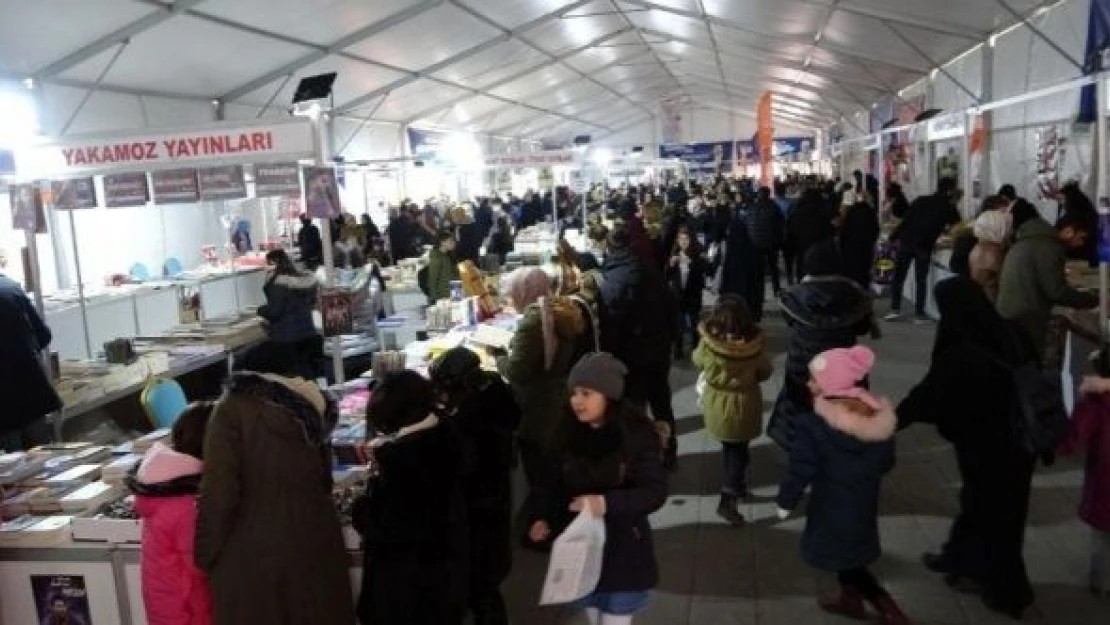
(582, 397)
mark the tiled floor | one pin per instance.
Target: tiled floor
(716, 575)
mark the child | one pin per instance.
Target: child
(1090, 434)
(733, 363)
(843, 448)
(175, 591)
(686, 272)
(611, 465)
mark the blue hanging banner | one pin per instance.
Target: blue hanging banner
(426, 144)
(1098, 39)
(701, 157)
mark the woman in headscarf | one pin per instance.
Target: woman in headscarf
(969, 395)
(964, 239)
(992, 231)
(859, 231)
(547, 343)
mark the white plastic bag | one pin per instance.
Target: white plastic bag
(575, 565)
(700, 388)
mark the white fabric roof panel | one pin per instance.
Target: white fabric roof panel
(428, 38)
(438, 58)
(318, 21)
(32, 35)
(214, 66)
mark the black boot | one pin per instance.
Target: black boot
(728, 511)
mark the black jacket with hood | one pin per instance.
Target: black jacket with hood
(823, 313)
(27, 392)
(290, 301)
(637, 310)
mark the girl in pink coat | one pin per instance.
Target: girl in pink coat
(175, 591)
(1090, 434)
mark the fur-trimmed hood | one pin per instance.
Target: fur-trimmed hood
(315, 412)
(875, 428)
(734, 349)
(299, 282)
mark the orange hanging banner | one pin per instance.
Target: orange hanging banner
(765, 138)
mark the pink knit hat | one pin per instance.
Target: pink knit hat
(839, 372)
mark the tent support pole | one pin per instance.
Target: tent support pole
(1103, 195)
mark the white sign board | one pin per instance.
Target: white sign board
(948, 127)
(218, 145)
(578, 182)
(532, 159)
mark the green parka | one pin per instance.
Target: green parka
(732, 399)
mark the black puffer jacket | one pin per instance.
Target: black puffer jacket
(637, 310)
(766, 225)
(27, 392)
(290, 301)
(621, 460)
(823, 313)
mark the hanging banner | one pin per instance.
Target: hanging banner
(277, 180)
(73, 194)
(1098, 40)
(765, 138)
(792, 148)
(101, 154)
(701, 157)
(1051, 150)
(222, 183)
(27, 208)
(176, 186)
(745, 153)
(425, 145)
(321, 193)
(670, 114)
(122, 190)
(533, 159)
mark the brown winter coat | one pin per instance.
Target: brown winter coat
(732, 400)
(268, 533)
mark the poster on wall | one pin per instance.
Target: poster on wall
(321, 193)
(670, 111)
(123, 190)
(175, 186)
(222, 183)
(27, 208)
(948, 164)
(335, 309)
(61, 599)
(277, 180)
(1051, 149)
(73, 194)
(7, 163)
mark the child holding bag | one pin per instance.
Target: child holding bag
(611, 465)
(733, 363)
(1090, 434)
(844, 447)
(175, 591)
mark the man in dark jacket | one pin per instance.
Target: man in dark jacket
(28, 394)
(637, 326)
(917, 235)
(1033, 278)
(809, 224)
(312, 246)
(766, 224)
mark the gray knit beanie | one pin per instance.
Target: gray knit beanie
(599, 372)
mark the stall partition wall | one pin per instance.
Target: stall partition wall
(1020, 62)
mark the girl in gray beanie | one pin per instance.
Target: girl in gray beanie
(611, 466)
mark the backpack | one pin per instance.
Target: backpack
(1042, 420)
(422, 281)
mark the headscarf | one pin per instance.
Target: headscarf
(525, 286)
(993, 226)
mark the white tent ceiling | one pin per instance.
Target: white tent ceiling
(540, 69)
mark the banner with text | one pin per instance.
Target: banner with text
(101, 154)
(426, 144)
(277, 180)
(532, 159)
(123, 190)
(73, 193)
(176, 186)
(222, 183)
(702, 157)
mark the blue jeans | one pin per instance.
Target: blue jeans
(616, 603)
